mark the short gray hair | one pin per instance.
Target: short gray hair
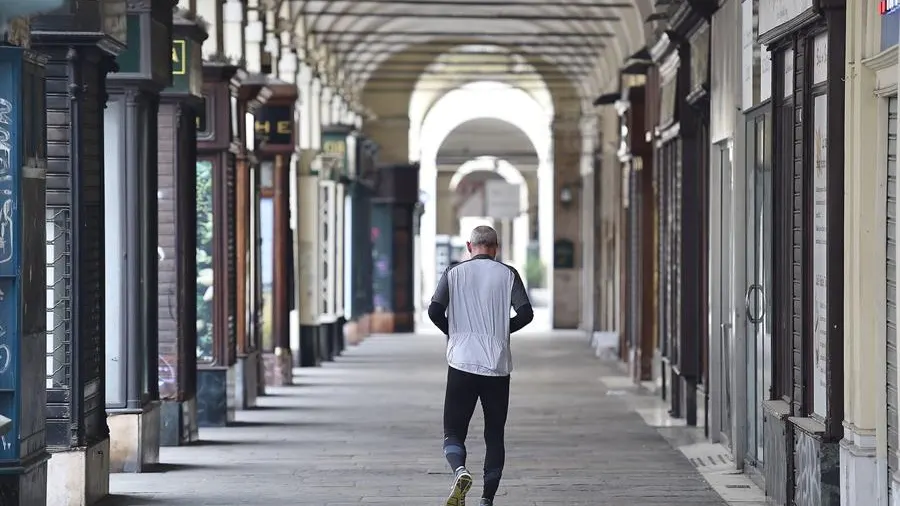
(484, 235)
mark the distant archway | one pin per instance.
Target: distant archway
(484, 99)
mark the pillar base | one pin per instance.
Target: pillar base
(778, 467)
(860, 479)
(247, 381)
(357, 331)
(279, 368)
(79, 477)
(393, 323)
(25, 486)
(260, 375)
(327, 342)
(178, 423)
(817, 465)
(134, 438)
(339, 336)
(308, 354)
(895, 490)
(215, 396)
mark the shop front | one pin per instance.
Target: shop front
(274, 128)
(23, 162)
(339, 150)
(803, 411)
(77, 431)
(215, 244)
(636, 157)
(251, 92)
(358, 259)
(753, 198)
(393, 204)
(682, 156)
(130, 145)
(181, 118)
(725, 105)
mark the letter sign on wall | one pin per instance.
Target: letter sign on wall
(274, 126)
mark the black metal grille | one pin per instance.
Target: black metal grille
(59, 297)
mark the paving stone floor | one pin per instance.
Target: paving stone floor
(366, 429)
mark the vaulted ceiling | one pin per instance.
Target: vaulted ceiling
(389, 44)
(487, 137)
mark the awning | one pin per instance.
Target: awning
(638, 63)
(607, 99)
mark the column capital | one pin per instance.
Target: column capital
(233, 11)
(287, 65)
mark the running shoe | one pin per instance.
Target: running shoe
(461, 485)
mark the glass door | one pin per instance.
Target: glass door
(758, 294)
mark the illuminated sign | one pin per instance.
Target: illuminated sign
(179, 57)
(887, 6)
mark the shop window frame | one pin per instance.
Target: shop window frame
(784, 109)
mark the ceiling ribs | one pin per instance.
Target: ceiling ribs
(353, 48)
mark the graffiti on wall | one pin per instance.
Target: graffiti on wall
(808, 470)
(7, 241)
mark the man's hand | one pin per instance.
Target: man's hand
(524, 315)
(437, 312)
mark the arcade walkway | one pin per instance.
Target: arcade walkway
(366, 430)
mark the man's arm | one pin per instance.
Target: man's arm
(437, 311)
(522, 305)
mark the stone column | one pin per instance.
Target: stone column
(79, 60)
(182, 119)
(23, 166)
(566, 278)
(233, 40)
(865, 385)
(306, 347)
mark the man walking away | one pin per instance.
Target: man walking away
(471, 306)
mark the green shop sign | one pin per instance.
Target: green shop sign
(334, 153)
(145, 56)
(187, 67)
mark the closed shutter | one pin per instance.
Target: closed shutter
(891, 292)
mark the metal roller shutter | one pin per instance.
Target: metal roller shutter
(891, 285)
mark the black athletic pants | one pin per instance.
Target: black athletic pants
(463, 391)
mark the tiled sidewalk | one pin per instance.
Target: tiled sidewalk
(367, 430)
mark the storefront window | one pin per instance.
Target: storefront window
(267, 229)
(204, 261)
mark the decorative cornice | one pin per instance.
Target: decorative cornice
(883, 60)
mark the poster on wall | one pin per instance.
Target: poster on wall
(820, 259)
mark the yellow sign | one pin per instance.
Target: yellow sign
(281, 127)
(334, 147)
(179, 57)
